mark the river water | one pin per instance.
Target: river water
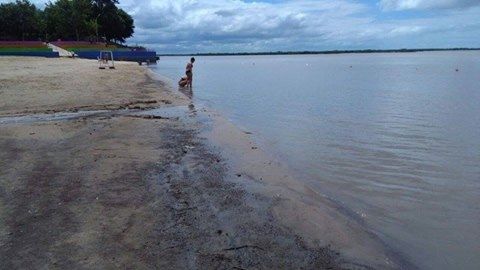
(393, 137)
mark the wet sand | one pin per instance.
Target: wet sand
(116, 189)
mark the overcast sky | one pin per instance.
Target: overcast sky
(172, 26)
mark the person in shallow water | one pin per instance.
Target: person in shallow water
(189, 72)
(187, 80)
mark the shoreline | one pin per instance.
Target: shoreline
(145, 163)
(309, 213)
(261, 172)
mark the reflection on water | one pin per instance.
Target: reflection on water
(394, 137)
(187, 91)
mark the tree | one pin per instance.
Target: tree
(126, 27)
(118, 25)
(99, 8)
(110, 20)
(65, 19)
(69, 19)
(58, 16)
(81, 14)
(20, 20)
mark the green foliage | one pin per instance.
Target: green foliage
(117, 25)
(69, 19)
(65, 19)
(20, 20)
(25, 49)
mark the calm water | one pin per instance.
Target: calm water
(395, 137)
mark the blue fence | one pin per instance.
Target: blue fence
(136, 56)
(39, 54)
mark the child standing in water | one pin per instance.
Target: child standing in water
(189, 72)
(187, 80)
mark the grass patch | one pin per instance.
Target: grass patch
(7, 49)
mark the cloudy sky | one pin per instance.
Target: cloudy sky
(173, 26)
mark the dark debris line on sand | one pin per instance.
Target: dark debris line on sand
(89, 201)
(212, 219)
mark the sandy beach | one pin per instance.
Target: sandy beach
(109, 169)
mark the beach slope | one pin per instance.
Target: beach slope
(90, 180)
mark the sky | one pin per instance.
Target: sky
(200, 26)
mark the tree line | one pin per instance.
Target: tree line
(322, 52)
(66, 20)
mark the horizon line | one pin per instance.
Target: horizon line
(320, 52)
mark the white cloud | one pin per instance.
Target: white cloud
(426, 4)
(38, 3)
(406, 30)
(196, 25)
(232, 25)
(235, 25)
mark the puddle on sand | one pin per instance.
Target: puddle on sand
(181, 112)
(188, 114)
(26, 119)
(167, 112)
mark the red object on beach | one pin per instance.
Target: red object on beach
(21, 44)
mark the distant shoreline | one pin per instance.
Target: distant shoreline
(320, 52)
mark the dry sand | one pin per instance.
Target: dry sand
(111, 190)
(36, 85)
